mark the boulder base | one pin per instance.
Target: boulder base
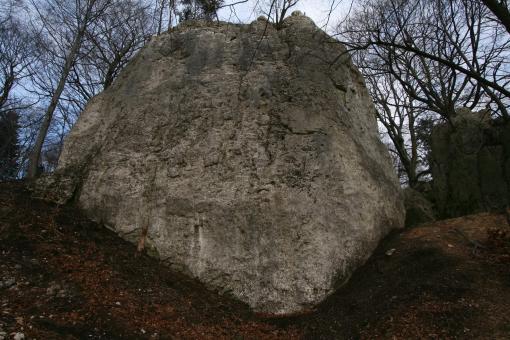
(254, 161)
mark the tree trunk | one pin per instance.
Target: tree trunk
(35, 155)
(7, 87)
(500, 11)
(160, 14)
(171, 8)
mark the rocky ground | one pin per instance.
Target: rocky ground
(64, 277)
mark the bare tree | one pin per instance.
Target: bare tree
(116, 36)
(109, 43)
(277, 10)
(65, 23)
(460, 52)
(400, 116)
(7, 9)
(17, 53)
(281, 10)
(424, 60)
(162, 9)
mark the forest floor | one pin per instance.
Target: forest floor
(65, 277)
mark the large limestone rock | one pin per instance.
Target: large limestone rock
(254, 161)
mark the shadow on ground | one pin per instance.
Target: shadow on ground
(62, 276)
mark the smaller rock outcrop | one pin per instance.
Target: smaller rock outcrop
(419, 209)
(470, 164)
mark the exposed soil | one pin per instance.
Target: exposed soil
(64, 277)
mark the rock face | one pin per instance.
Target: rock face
(470, 165)
(418, 209)
(253, 161)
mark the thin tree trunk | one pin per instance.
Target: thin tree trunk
(171, 7)
(160, 20)
(35, 155)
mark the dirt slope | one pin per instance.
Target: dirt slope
(62, 276)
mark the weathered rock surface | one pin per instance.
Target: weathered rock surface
(470, 164)
(418, 208)
(254, 162)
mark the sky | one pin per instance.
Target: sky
(318, 10)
